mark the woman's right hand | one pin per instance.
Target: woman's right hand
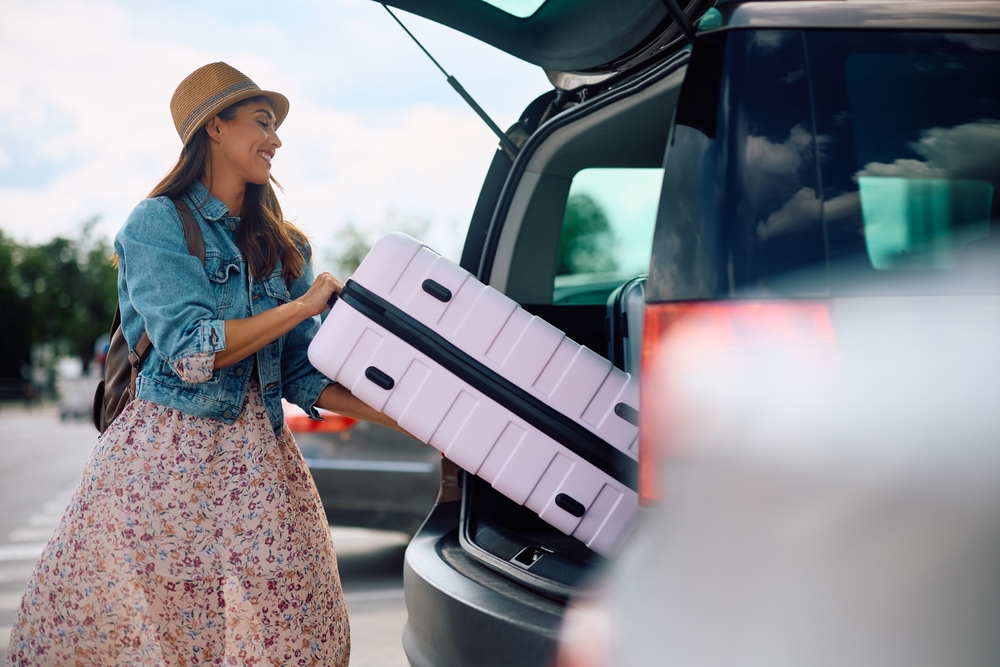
(318, 296)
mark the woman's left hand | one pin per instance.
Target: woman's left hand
(316, 299)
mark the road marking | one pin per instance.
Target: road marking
(10, 601)
(44, 520)
(18, 574)
(5, 636)
(21, 551)
(31, 535)
(374, 596)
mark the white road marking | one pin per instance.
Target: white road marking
(374, 596)
(20, 573)
(21, 551)
(31, 535)
(361, 540)
(44, 520)
(10, 601)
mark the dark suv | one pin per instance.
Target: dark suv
(788, 168)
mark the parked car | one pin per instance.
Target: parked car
(776, 180)
(367, 475)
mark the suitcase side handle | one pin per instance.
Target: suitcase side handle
(437, 290)
(379, 378)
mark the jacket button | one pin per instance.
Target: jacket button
(221, 273)
(232, 226)
(227, 414)
(239, 372)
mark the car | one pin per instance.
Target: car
(795, 169)
(367, 475)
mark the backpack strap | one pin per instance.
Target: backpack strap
(196, 247)
(192, 232)
(113, 393)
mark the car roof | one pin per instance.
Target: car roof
(976, 15)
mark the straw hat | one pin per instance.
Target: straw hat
(210, 89)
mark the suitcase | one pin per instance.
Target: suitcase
(550, 424)
(626, 310)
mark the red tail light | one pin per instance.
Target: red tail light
(698, 330)
(299, 422)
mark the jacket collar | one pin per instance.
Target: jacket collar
(205, 203)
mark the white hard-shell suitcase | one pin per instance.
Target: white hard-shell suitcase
(550, 424)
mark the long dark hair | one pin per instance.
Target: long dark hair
(264, 236)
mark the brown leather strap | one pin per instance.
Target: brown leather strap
(122, 365)
(192, 232)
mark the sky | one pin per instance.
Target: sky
(374, 132)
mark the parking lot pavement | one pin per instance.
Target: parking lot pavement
(40, 462)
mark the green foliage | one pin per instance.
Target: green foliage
(587, 241)
(64, 292)
(352, 244)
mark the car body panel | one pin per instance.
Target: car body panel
(862, 15)
(461, 613)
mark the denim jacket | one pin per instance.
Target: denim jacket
(182, 305)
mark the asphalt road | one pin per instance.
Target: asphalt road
(41, 459)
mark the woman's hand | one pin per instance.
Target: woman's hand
(315, 300)
(246, 336)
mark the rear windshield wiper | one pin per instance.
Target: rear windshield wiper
(509, 146)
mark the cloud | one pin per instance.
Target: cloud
(782, 159)
(85, 127)
(967, 151)
(770, 40)
(799, 212)
(978, 41)
(904, 167)
(775, 177)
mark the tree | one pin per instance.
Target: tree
(63, 291)
(352, 244)
(587, 242)
(15, 313)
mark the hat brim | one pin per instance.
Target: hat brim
(278, 102)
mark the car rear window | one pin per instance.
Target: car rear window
(607, 232)
(874, 150)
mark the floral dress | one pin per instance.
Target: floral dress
(188, 542)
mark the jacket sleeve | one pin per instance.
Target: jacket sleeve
(167, 286)
(301, 383)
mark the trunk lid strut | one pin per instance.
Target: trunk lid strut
(509, 146)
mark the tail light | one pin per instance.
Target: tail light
(299, 422)
(698, 332)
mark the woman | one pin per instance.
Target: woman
(196, 534)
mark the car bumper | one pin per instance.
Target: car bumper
(462, 613)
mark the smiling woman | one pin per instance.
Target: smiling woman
(196, 534)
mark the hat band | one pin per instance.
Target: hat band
(197, 115)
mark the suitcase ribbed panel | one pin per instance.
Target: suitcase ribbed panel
(425, 304)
